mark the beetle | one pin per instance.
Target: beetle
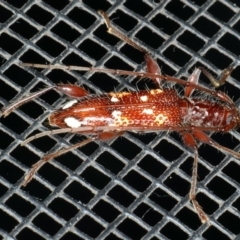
(162, 109)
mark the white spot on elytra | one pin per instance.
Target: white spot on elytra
(118, 119)
(72, 122)
(114, 99)
(147, 111)
(116, 114)
(69, 104)
(144, 98)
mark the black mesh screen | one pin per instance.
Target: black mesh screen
(135, 186)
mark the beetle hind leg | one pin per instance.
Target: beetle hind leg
(49, 157)
(151, 64)
(101, 136)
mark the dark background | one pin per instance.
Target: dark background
(136, 186)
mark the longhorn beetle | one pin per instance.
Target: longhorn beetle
(162, 109)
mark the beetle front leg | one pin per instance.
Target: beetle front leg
(189, 141)
(192, 79)
(193, 190)
(222, 79)
(203, 137)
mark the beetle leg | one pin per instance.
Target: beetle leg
(192, 194)
(49, 157)
(189, 141)
(216, 83)
(192, 79)
(70, 90)
(118, 34)
(222, 79)
(109, 135)
(203, 137)
(152, 65)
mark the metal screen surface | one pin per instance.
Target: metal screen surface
(135, 186)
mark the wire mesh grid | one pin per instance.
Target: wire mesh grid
(135, 186)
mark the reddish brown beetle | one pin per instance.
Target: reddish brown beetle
(162, 109)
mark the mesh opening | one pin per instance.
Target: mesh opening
(103, 190)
